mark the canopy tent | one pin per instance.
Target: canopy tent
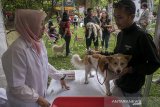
(65, 4)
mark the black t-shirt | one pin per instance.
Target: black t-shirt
(103, 23)
(93, 19)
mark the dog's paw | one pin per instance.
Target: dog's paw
(86, 82)
(109, 94)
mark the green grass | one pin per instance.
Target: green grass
(62, 62)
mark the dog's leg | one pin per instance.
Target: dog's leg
(100, 33)
(89, 35)
(95, 39)
(95, 33)
(90, 75)
(107, 85)
(87, 71)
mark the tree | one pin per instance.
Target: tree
(156, 2)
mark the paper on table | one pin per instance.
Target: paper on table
(70, 74)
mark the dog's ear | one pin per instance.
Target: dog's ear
(128, 57)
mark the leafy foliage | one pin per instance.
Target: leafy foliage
(11, 5)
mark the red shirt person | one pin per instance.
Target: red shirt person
(65, 31)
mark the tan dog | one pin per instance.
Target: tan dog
(58, 49)
(110, 67)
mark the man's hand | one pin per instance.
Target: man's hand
(43, 102)
(127, 70)
(63, 84)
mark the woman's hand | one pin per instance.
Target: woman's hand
(63, 84)
(43, 102)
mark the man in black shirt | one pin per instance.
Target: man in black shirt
(132, 40)
(94, 19)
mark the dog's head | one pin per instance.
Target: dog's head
(118, 62)
(90, 25)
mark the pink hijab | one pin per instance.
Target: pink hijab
(29, 24)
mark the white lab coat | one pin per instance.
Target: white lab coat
(26, 73)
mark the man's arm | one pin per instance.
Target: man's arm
(150, 54)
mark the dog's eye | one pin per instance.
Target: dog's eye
(122, 64)
(115, 63)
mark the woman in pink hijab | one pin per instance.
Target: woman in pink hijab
(25, 63)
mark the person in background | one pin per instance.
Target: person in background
(58, 19)
(85, 13)
(94, 19)
(144, 19)
(65, 31)
(50, 23)
(53, 33)
(25, 62)
(75, 21)
(98, 10)
(106, 29)
(81, 21)
(133, 41)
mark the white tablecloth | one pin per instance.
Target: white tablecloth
(78, 88)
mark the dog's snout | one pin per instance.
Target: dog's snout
(118, 71)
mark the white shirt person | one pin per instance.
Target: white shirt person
(25, 63)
